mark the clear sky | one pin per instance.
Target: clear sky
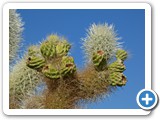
(72, 24)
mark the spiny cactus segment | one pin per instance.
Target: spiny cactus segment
(62, 48)
(35, 62)
(53, 60)
(121, 54)
(99, 59)
(48, 49)
(68, 66)
(15, 34)
(116, 66)
(117, 79)
(116, 69)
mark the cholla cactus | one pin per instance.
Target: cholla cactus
(15, 33)
(65, 85)
(100, 46)
(58, 70)
(101, 37)
(23, 81)
(55, 63)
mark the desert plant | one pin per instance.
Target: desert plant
(66, 86)
(58, 69)
(22, 82)
(15, 34)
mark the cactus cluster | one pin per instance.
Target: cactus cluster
(54, 47)
(65, 85)
(100, 46)
(53, 61)
(116, 68)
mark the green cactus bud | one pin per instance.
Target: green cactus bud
(48, 49)
(62, 48)
(51, 72)
(99, 59)
(68, 66)
(117, 79)
(35, 62)
(121, 54)
(117, 66)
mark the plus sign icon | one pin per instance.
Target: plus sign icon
(147, 99)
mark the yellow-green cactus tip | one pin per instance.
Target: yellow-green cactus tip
(121, 54)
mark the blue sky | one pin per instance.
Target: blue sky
(72, 24)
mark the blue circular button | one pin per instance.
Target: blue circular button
(147, 99)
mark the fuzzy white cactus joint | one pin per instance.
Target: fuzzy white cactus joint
(15, 33)
(22, 82)
(101, 37)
